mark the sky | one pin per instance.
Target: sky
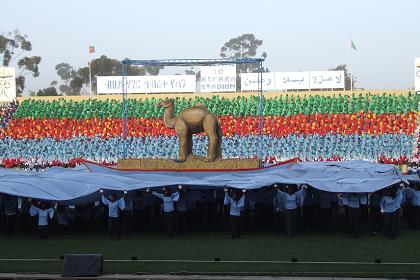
(298, 35)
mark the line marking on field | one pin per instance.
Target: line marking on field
(225, 261)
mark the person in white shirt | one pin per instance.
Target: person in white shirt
(114, 206)
(45, 213)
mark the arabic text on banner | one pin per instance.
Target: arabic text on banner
(292, 80)
(249, 81)
(7, 84)
(326, 79)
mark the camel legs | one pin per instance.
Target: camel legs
(210, 127)
(218, 153)
(184, 141)
(190, 144)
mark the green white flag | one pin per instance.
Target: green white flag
(353, 46)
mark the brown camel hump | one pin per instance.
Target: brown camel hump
(201, 106)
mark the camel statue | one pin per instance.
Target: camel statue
(190, 121)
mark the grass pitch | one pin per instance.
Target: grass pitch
(262, 253)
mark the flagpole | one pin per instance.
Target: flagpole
(90, 75)
(350, 67)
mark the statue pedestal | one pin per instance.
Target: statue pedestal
(192, 163)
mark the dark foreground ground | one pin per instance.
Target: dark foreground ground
(256, 253)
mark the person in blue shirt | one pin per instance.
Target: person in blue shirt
(235, 200)
(401, 199)
(62, 219)
(308, 208)
(353, 201)
(388, 207)
(278, 210)
(114, 206)
(375, 211)
(126, 216)
(292, 198)
(10, 204)
(413, 197)
(181, 209)
(325, 202)
(168, 198)
(44, 213)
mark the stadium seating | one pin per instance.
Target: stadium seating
(62, 131)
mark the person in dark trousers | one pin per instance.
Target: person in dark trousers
(10, 212)
(126, 216)
(45, 212)
(62, 219)
(353, 201)
(292, 199)
(235, 202)
(375, 211)
(181, 209)
(325, 211)
(278, 210)
(114, 206)
(308, 209)
(388, 207)
(168, 199)
(413, 196)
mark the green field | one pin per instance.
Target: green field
(151, 248)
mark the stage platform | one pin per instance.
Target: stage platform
(192, 163)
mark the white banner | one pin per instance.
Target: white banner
(292, 80)
(7, 84)
(417, 74)
(326, 79)
(219, 78)
(249, 81)
(147, 84)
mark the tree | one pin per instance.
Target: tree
(12, 46)
(50, 91)
(76, 82)
(347, 77)
(245, 45)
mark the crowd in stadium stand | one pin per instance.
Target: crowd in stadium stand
(63, 132)
(6, 112)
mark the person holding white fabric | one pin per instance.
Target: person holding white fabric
(413, 196)
(292, 199)
(44, 214)
(388, 206)
(114, 206)
(168, 198)
(353, 202)
(236, 202)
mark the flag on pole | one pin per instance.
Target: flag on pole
(91, 49)
(353, 46)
